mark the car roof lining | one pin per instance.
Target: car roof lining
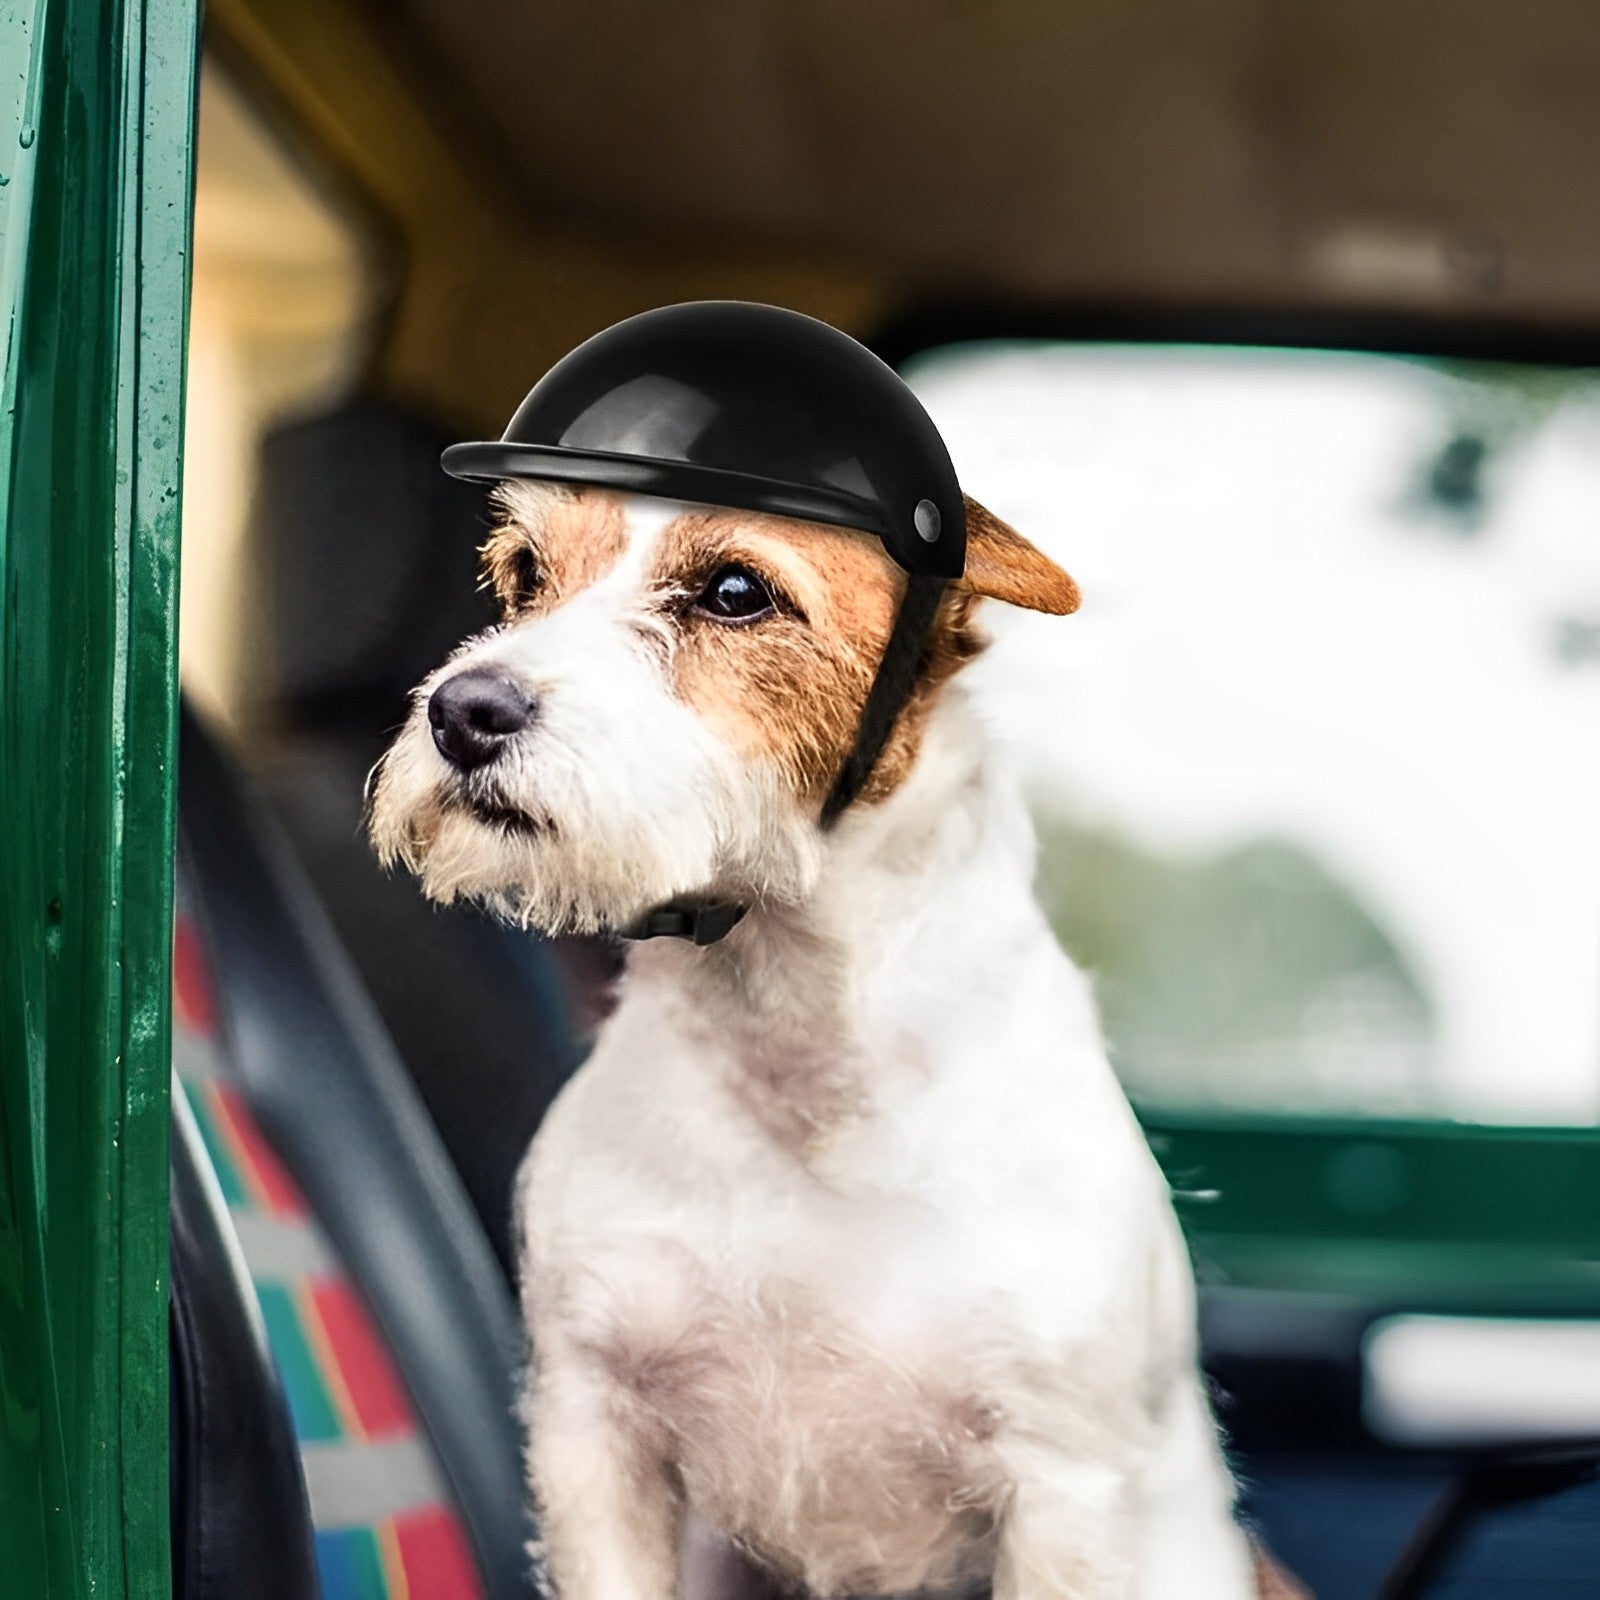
(1260, 153)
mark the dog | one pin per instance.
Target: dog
(844, 1243)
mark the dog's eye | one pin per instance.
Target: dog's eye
(521, 579)
(734, 594)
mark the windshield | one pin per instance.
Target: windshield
(1317, 768)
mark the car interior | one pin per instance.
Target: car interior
(1106, 248)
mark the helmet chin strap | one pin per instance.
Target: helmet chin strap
(704, 921)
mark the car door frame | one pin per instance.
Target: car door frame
(97, 109)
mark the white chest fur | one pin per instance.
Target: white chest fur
(846, 1240)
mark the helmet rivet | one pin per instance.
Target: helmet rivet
(925, 519)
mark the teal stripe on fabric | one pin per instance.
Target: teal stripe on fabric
(350, 1566)
(222, 1162)
(309, 1401)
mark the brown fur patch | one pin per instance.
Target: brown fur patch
(789, 688)
(1002, 565)
(786, 689)
(551, 543)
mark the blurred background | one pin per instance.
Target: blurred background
(1277, 325)
(1324, 732)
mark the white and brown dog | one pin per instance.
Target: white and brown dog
(844, 1241)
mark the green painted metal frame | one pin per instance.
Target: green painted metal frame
(1421, 1216)
(96, 143)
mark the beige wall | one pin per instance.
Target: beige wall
(281, 298)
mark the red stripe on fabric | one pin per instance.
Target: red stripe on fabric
(380, 1403)
(434, 1549)
(191, 982)
(266, 1175)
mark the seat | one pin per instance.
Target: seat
(390, 1319)
(369, 554)
(241, 1526)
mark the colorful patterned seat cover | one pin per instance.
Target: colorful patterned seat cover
(385, 1529)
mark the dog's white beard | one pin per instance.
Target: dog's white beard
(626, 812)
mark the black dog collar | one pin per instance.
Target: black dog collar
(704, 923)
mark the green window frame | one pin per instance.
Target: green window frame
(1424, 1216)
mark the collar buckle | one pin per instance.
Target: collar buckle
(700, 924)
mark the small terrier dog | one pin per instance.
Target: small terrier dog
(844, 1242)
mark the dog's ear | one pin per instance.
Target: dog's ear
(1002, 565)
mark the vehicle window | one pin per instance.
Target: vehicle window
(281, 303)
(1317, 767)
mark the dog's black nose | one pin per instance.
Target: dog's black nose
(474, 713)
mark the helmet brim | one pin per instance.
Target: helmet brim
(492, 461)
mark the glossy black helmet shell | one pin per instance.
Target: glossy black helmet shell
(733, 404)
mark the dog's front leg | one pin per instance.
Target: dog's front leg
(609, 1511)
(1067, 1532)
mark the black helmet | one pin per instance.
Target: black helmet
(730, 404)
(741, 405)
